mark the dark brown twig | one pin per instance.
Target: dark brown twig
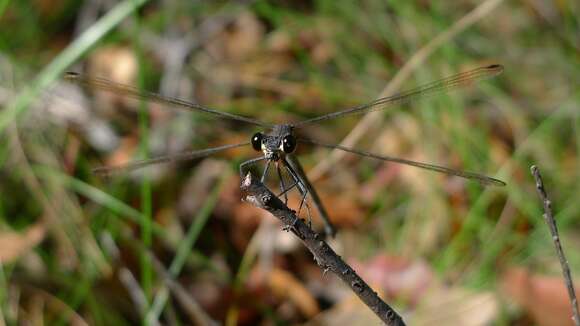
(258, 195)
(549, 218)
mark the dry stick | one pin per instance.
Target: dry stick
(549, 217)
(372, 119)
(258, 195)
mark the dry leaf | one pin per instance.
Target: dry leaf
(545, 298)
(286, 288)
(118, 64)
(285, 285)
(349, 312)
(15, 244)
(397, 276)
(279, 41)
(124, 153)
(444, 305)
(434, 303)
(239, 39)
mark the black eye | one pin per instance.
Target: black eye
(288, 144)
(257, 141)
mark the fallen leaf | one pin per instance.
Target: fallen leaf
(238, 40)
(349, 312)
(544, 298)
(445, 305)
(397, 276)
(117, 63)
(15, 244)
(124, 153)
(286, 287)
(432, 302)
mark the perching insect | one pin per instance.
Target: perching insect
(278, 145)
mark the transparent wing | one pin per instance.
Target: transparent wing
(110, 86)
(186, 156)
(440, 86)
(484, 180)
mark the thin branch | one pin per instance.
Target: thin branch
(549, 217)
(258, 195)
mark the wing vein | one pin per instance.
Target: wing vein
(484, 180)
(185, 156)
(110, 86)
(437, 87)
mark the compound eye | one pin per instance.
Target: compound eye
(257, 141)
(288, 144)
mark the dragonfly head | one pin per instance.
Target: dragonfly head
(276, 144)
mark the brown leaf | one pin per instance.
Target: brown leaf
(279, 41)
(118, 64)
(397, 276)
(349, 312)
(16, 244)
(114, 62)
(434, 303)
(444, 305)
(238, 40)
(285, 287)
(544, 298)
(124, 153)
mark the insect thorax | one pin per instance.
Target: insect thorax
(272, 142)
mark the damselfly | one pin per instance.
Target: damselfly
(279, 142)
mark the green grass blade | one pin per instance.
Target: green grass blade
(98, 196)
(184, 250)
(67, 57)
(3, 6)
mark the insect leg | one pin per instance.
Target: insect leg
(282, 185)
(247, 163)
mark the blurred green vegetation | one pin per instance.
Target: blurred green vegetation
(81, 245)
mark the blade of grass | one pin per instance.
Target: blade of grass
(81, 291)
(3, 6)
(68, 56)
(452, 254)
(248, 259)
(370, 121)
(98, 196)
(184, 249)
(145, 184)
(146, 208)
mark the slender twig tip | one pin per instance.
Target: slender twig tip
(71, 75)
(549, 218)
(497, 68)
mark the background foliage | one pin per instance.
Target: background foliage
(173, 242)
